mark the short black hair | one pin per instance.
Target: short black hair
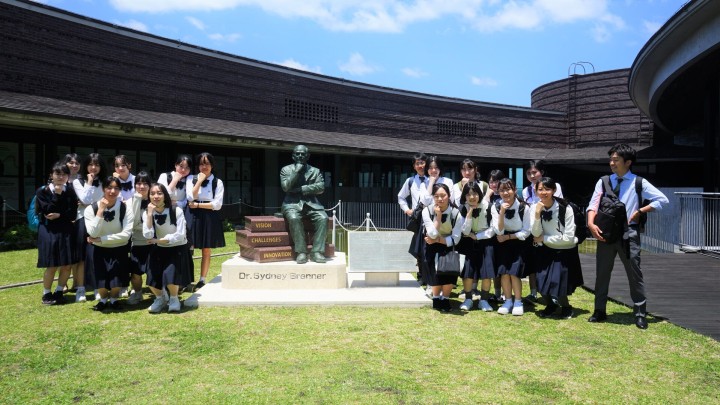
(625, 151)
(419, 156)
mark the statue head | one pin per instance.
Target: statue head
(300, 154)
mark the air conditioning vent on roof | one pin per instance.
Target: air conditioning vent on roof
(456, 128)
(304, 110)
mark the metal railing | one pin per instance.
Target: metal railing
(699, 229)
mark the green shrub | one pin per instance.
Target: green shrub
(18, 237)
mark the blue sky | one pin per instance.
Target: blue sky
(487, 50)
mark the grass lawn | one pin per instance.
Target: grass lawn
(70, 354)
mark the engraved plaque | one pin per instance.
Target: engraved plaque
(381, 251)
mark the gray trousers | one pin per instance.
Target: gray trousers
(606, 253)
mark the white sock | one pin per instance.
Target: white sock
(202, 279)
(59, 288)
(112, 300)
(46, 291)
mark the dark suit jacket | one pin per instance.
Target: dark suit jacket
(302, 187)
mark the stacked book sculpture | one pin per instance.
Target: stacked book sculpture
(266, 239)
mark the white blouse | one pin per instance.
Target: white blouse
(478, 225)
(112, 233)
(554, 234)
(174, 234)
(206, 193)
(520, 227)
(451, 233)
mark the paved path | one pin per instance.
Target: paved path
(682, 288)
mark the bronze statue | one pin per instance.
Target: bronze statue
(302, 184)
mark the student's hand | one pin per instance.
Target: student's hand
(90, 178)
(57, 188)
(503, 207)
(538, 209)
(92, 240)
(176, 177)
(437, 210)
(408, 212)
(102, 204)
(635, 217)
(596, 232)
(463, 182)
(430, 240)
(51, 216)
(473, 236)
(116, 175)
(150, 208)
(503, 238)
(201, 177)
(538, 239)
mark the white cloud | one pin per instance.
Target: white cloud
(395, 15)
(196, 23)
(414, 72)
(357, 66)
(483, 81)
(651, 27)
(292, 63)
(224, 37)
(134, 24)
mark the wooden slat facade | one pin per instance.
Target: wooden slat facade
(682, 288)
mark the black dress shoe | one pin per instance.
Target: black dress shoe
(641, 322)
(548, 311)
(200, 284)
(100, 306)
(598, 316)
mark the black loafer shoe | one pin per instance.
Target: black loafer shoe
(100, 306)
(548, 311)
(598, 316)
(200, 284)
(641, 322)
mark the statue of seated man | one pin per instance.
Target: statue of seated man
(302, 184)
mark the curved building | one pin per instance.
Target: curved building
(69, 83)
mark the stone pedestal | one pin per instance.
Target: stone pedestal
(242, 274)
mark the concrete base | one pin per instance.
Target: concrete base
(407, 293)
(241, 273)
(382, 279)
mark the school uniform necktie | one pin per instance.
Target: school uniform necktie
(616, 189)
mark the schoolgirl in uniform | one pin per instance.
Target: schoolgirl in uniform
(559, 272)
(89, 190)
(434, 171)
(56, 206)
(164, 227)
(534, 170)
(176, 184)
(443, 224)
(73, 163)
(205, 200)
(109, 229)
(492, 197)
(140, 248)
(469, 172)
(127, 190)
(512, 226)
(476, 244)
(415, 187)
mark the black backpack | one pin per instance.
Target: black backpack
(581, 229)
(611, 215)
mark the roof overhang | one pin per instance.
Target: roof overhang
(688, 36)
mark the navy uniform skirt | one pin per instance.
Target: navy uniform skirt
(56, 244)
(139, 259)
(428, 266)
(559, 272)
(108, 265)
(80, 235)
(479, 258)
(168, 265)
(207, 229)
(510, 257)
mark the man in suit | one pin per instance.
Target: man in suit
(302, 184)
